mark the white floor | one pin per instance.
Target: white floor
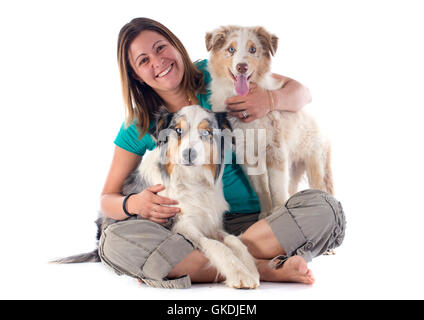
(357, 271)
(338, 277)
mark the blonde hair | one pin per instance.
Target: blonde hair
(140, 100)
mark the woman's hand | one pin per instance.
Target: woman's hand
(256, 104)
(149, 205)
(292, 96)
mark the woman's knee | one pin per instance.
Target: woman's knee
(142, 249)
(321, 219)
(310, 223)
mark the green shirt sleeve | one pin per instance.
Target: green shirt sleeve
(127, 139)
(203, 98)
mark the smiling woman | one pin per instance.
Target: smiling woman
(154, 67)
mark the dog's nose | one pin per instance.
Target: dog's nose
(189, 155)
(242, 67)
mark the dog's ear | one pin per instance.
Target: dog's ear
(268, 41)
(222, 120)
(226, 134)
(226, 141)
(216, 39)
(208, 40)
(162, 119)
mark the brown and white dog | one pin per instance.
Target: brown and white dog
(291, 141)
(189, 162)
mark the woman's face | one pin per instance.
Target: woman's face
(156, 62)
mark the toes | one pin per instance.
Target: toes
(309, 278)
(295, 269)
(309, 273)
(303, 268)
(244, 282)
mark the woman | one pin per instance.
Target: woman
(156, 70)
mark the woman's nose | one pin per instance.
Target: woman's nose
(156, 61)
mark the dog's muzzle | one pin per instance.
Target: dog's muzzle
(189, 155)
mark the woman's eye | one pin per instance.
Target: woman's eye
(252, 49)
(144, 60)
(231, 50)
(160, 48)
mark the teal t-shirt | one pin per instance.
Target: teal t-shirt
(237, 190)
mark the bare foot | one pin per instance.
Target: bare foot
(294, 269)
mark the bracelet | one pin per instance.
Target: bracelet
(271, 100)
(124, 204)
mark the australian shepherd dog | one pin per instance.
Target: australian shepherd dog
(189, 162)
(291, 141)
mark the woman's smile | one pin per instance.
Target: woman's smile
(165, 72)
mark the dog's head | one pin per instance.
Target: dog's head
(241, 54)
(193, 139)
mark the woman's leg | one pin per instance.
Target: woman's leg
(196, 265)
(264, 246)
(261, 241)
(144, 250)
(309, 224)
(294, 269)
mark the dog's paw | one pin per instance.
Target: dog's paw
(241, 280)
(250, 265)
(263, 215)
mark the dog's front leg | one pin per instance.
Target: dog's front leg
(278, 184)
(241, 252)
(255, 165)
(236, 274)
(278, 174)
(260, 184)
(221, 257)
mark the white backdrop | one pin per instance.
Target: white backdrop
(61, 108)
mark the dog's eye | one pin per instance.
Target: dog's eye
(252, 50)
(205, 133)
(179, 131)
(231, 50)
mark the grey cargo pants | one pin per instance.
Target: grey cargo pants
(310, 223)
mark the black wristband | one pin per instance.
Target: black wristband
(124, 204)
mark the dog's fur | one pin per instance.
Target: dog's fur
(293, 141)
(189, 162)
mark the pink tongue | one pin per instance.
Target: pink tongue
(242, 86)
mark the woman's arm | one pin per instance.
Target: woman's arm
(147, 203)
(292, 96)
(123, 163)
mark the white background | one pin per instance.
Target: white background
(61, 109)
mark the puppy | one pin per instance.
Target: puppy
(189, 162)
(286, 143)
